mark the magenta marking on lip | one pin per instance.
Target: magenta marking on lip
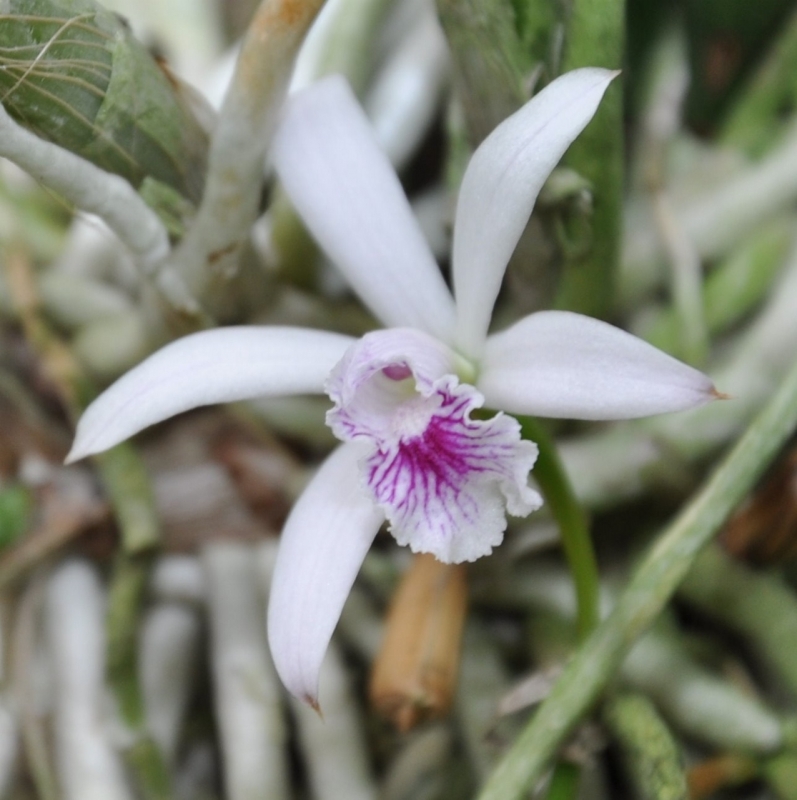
(444, 480)
(431, 471)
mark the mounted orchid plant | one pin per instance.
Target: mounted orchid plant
(413, 454)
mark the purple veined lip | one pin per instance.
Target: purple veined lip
(444, 481)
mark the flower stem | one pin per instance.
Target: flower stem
(650, 755)
(653, 584)
(551, 476)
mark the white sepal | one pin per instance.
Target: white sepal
(323, 544)
(501, 185)
(343, 186)
(216, 366)
(560, 364)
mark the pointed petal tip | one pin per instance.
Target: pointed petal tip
(72, 456)
(718, 395)
(78, 451)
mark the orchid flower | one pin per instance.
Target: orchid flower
(413, 453)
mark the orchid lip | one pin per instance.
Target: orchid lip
(444, 480)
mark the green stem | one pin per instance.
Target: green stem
(129, 489)
(489, 66)
(649, 752)
(125, 602)
(550, 474)
(655, 581)
(594, 38)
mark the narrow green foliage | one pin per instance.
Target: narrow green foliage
(490, 65)
(595, 38)
(125, 602)
(549, 472)
(757, 117)
(564, 782)
(297, 252)
(73, 74)
(651, 757)
(126, 481)
(537, 25)
(146, 762)
(780, 773)
(128, 583)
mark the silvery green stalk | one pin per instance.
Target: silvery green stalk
(108, 196)
(651, 757)
(249, 711)
(700, 704)
(417, 771)
(403, 98)
(334, 746)
(168, 650)
(361, 624)
(483, 680)
(9, 703)
(760, 606)
(88, 766)
(179, 579)
(208, 254)
(30, 675)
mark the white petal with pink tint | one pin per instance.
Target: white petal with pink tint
(501, 185)
(323, 544)
(348, 195)
(560, 364)
(217, 366)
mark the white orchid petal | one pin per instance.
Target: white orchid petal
(342, 184)
(501, 185)
(323, 544)
(216, 366)
(560, 364)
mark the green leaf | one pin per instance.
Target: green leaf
(72, 73)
